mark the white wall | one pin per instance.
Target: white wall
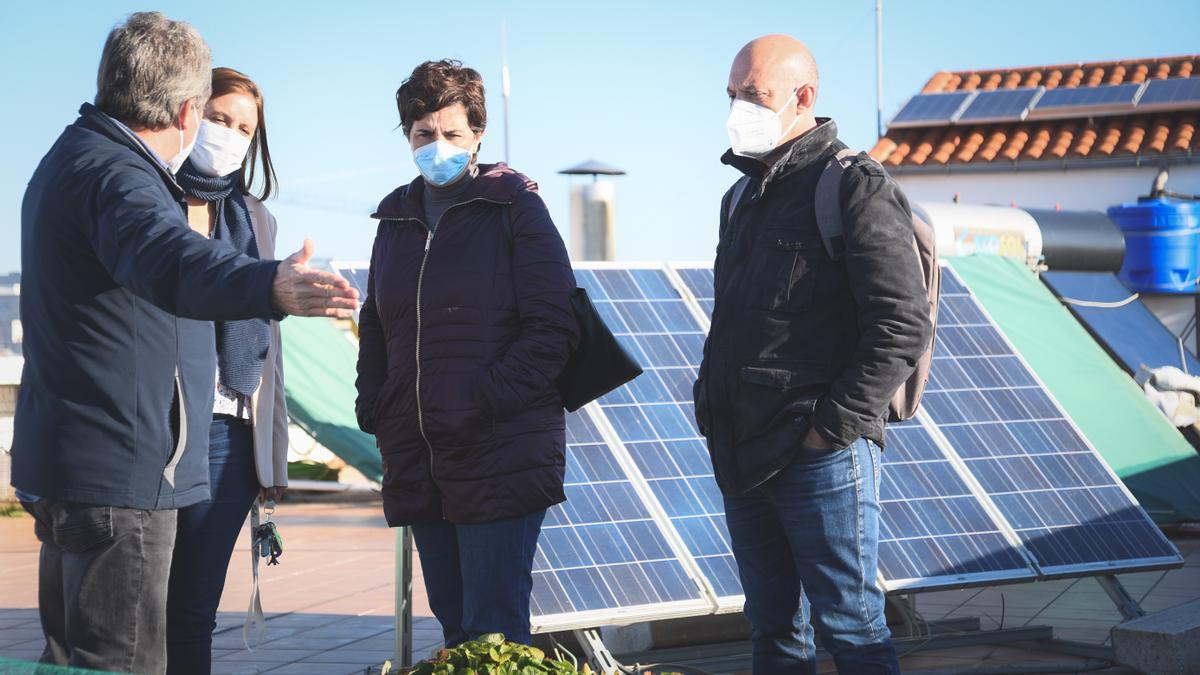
(1074, 189)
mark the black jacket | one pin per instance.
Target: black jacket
(461, 338)
(117, 299)
(799, 340)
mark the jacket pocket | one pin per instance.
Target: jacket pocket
(80, 527)
(450, 413)
(179, 424)
(773, 393)
(785, 263)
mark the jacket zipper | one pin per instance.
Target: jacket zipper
(420, 288)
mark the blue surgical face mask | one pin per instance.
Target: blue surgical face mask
(441, 163)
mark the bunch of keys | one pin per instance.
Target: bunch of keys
(267, 541)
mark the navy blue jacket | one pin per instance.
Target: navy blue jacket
(117, 299)
(461, 338)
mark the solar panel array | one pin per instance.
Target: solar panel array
(1171, 93)
(1131, 333)
(654, 416)
(1014, 105)
(1068, 507)
(603, 552)
(931, 109)
(1076, 101)
(1001, 105)
(991, 482)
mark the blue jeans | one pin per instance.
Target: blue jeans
(806, 544)
(479, 577)
(204, 543)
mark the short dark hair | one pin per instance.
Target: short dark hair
(434, 85)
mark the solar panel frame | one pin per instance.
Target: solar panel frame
(1052, 571)
(1172, 93)
(1106, 99)
(701, 604)
(999, 105)
(947, 107)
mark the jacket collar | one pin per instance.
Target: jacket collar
(495, 183)
(802, 152)
(93, 119)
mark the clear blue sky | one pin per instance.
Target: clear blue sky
(639, 85)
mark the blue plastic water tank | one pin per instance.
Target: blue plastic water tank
(1162, 244)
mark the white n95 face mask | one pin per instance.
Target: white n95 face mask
(184, 150)
(219, 150)
(755, 130)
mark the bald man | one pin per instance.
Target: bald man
(806, 350)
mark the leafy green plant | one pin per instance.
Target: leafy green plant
(490, 655)
(307, 469)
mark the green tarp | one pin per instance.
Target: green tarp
(319, 367)
(1152, 457)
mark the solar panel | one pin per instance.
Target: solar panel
(356, 272)
(1000, 105)
(1066, 505)
(699, 282)
(934, 530)
(653, 416)
(931, 109)
(602, 555)
(1108, 99)
(1131, 333)
(1173, 93)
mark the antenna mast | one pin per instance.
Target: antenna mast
(504, 81)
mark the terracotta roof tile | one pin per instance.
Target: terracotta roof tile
(1134, 134)
(1013, 144)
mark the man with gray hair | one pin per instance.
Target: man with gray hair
(118, 299)
(807, 347)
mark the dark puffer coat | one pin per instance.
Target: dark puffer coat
(462, 336)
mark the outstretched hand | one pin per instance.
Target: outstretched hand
(300, 290)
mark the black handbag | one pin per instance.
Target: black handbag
(598, 364)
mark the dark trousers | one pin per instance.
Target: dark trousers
(204, 544)
(102, 584)
(479, 577)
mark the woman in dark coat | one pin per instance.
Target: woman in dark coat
(466, 326)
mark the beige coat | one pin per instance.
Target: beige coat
(269, 408)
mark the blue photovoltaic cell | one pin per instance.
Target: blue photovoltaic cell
(699, 282)
(1131, 333)
(1174, 90)
(356, 273)
(1084, 97)
(653, 415)
(1051, 487)
(931, 108)
(932, 526)
(602, 549)
(997, 105)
